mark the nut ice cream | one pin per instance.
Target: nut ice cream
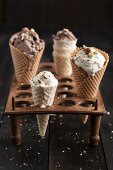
(44, 87)
(27, 41)
(44, 79)
(90, 59)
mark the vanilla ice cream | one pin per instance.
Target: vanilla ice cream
(89, 59)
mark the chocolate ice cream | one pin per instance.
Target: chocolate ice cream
(27, 41)
(64, 34)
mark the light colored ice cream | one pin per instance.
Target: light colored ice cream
(64, 43)
(44, 79)
(89, 59)
(44, 87)
(27, 41)
(63, 48)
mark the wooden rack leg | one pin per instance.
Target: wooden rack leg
(95, 127)
(15, 130)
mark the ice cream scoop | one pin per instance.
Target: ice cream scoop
(90, 59)
(27, 41)
(44, 79)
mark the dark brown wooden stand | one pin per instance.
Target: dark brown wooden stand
(95, 127)
(66, 102)
(15, 129)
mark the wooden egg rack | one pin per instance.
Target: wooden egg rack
(66, 102)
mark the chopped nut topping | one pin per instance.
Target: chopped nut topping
(64, 34)
(87, 50)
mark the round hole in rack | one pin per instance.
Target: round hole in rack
(24, 87)
(65, 87)
(46, 67)
(23, 95)
(22, 104)
(65, 80)
(65, 94)
(87, 103)
(67, 103)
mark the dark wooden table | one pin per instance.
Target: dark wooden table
(68, 140)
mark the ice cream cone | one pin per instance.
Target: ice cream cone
(42, 123)
(43, 87)
(87, 86)
(25, 68)
(42, 98)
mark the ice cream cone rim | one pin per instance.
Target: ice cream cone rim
(101, 51)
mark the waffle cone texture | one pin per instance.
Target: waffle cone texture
(42, 121)
(43, 97)
(25, 68)
(88, 85)
(62, 66)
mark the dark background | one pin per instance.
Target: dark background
(57, 13)
(49, 14)
(90, 20)
(92, 23)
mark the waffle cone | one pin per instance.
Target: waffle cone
(42, 123)
(25, 68)
(87, 86)
(78, 73)
(84, 118)
(62, 66)
(43, 97)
